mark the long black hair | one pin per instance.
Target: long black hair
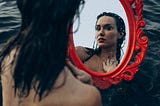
(42, 42)
(121, 29)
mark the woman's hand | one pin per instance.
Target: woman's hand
(80, 74)
(110, 64)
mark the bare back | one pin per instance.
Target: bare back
(67, 91)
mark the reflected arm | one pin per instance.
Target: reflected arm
(82, 53)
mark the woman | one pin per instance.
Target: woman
(110, 34)
(33, 72)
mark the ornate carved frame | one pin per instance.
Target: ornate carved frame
(138, 43)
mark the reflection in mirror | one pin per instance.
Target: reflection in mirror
(101, 41)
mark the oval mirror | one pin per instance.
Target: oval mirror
(85, 36)
(134, 46)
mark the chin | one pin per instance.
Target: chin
(102, 45)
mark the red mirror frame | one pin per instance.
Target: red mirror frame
(137, 43)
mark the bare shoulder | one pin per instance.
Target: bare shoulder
(82, 52)
(88, 94)
(81, 49)
(72, 93)
(84, 94)
(92, 96)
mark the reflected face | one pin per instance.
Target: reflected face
(106, 32)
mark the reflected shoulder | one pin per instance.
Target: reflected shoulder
(82, 52)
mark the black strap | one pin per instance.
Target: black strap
(90, 52)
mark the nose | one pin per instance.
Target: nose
(101, 32)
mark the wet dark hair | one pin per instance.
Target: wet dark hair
(121, 29)
(42, 42)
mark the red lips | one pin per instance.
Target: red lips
(101, 40)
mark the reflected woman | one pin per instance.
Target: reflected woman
(110, 34)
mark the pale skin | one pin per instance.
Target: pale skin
(80, 74)
(72, 93)
(106, 36)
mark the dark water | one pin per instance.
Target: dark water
(9, 19)
(144, 89)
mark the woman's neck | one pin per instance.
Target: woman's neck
(107, 53)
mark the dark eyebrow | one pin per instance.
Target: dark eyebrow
(108, 25)
(105, 25)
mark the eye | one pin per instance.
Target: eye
(108, 27)
(97, 28)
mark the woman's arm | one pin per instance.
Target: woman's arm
(82, 53)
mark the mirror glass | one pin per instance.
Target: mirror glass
(85, 36)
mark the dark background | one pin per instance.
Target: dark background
(144, 89)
